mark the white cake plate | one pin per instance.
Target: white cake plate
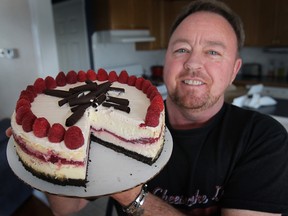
(108, 171)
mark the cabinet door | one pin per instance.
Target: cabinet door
(273, 23)
(249, 13)
(155, 24)
(141, 14)
(267, 27)
(164, 12)
(281, 22)
(171, 11)
(121, 14)
(124, 14)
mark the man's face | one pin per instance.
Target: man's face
(201, 61)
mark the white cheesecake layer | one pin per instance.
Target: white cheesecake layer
(150, 149)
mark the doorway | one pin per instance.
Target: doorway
(71, 35)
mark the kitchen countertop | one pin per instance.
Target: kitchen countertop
(279, 109)
(267, 81)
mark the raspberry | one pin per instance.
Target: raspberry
(50, 82)
(91, 75)
(27, 95)
(81, 76)
(39, 85)
(41, 127)
(132, 80)
(27, 122)
(56, 133)
(22, 102)
(102, 75)
(150, 90)
(113, 77)
(61, 79)
(139, 82)
(153, 94)
(145, 85)
(154, 109)
(73, 138)
(123, 77)
(31, 89)
(21, 112)
(24, 97)
(71, 77)
(157, 101)
(152, 118)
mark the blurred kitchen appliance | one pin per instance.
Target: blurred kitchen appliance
(251, 70)
(125, 36)
(157, 72)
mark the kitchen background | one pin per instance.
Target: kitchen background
(46, 37)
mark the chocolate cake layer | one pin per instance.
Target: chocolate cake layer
(134, 155)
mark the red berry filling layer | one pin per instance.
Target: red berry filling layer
(144, 140)
(49, 157)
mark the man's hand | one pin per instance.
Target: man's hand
(152, 205)
(62, 206)
(126, 197)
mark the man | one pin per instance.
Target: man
(226, 160)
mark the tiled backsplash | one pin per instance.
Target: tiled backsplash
(257, 55)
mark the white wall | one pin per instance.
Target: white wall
(24, 31)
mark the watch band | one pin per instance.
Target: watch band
(134, 208)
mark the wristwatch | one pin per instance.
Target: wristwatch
(134, 208)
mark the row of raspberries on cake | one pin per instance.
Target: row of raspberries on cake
(73, 137)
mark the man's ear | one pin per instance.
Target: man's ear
(237, 66)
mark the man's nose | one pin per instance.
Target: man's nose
(194, 61)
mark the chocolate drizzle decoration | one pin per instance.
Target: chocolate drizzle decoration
(57, 93)
(71, 120)
(82, 88)
(65, 100)
(116, 106)
(90, 94)
(121, 90)
(120, 101)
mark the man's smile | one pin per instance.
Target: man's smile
(193, 82)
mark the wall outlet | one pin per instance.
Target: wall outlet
(8, 53)
(2, 53)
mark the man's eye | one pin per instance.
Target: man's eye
(181, 51)
(212, 52)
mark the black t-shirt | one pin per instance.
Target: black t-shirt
(238, 160)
